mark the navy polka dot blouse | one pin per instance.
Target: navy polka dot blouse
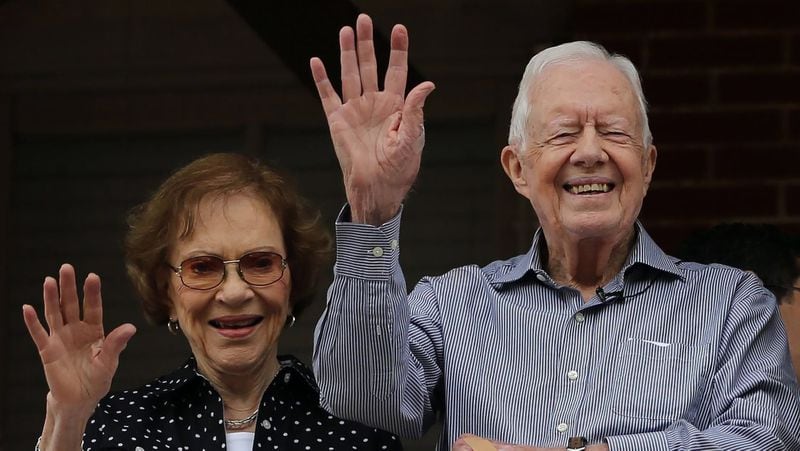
(183, 412)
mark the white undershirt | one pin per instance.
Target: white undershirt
(240, 441)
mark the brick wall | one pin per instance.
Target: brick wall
(722, 78)
(105, 94)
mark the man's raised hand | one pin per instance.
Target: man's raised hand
(378, 135)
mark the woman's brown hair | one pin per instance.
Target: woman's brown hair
(170, 215)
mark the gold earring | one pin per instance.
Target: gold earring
(173, 326)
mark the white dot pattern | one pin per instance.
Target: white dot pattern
(183, 412)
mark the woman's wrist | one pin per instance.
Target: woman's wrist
(70, 413)
(39, 444)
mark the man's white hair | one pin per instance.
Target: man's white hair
(565, 53)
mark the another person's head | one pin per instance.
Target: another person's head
(219, 208)
(764, 250)
(790, 308)
(580, 147)
(794, 297)
(760, 248)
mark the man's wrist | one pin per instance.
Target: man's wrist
(576, 444)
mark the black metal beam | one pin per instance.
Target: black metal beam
(298, 30)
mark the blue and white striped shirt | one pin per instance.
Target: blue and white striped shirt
(689, 357)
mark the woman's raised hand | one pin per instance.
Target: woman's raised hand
(79, 360)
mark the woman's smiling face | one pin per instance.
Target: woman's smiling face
(234, 327)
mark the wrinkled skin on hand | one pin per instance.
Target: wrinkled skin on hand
(378, 135)
(79, 360)
(470, 442)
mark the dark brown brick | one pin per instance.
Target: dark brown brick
(681, 164)
(648, 16)
(763, 14)
(792, 229)
(670, 237)
(760, 87)
(676, 89)
(764, 163)
(633, 48)
(795, 57)
(691, 203)
(792, 200)
(716, 126)
(794, 125)
(715, 51)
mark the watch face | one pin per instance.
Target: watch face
(576, 444)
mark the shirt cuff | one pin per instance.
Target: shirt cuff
(365, 251)
(648, 441)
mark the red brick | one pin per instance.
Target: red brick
(676, 89)
(639, 16)
(762, 14)
(715, 51)
(716, 126)
(681, 164)
(792, 200)
(770, 162)
(688, 203)
(759, 87)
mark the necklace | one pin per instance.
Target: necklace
(235, 425)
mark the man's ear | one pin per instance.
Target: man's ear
(649, 165)
(513, 167)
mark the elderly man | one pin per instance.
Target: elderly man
(594, 332)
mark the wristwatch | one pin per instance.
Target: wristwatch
(576, 444)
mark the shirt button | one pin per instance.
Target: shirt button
(572, 375)
(579, 317)
(377, 251)
(562, 427)
(394, 244)
(266, 424)
(286, 378)
(541, 277)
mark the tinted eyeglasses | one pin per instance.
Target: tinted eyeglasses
(205, 272)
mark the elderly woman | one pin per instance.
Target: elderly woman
(225, 253)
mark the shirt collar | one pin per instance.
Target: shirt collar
(189, 373)
(645, 252)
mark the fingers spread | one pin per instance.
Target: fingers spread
(35, 328)
(327, 95)
(69, 294)
(52, 309)
(351, 79)
(116, 342)
(413, 114)
(397, 72)
(418, 95)
(368, 66)
(92, 301)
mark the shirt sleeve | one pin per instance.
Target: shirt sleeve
(753, 401)
(377, 351)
